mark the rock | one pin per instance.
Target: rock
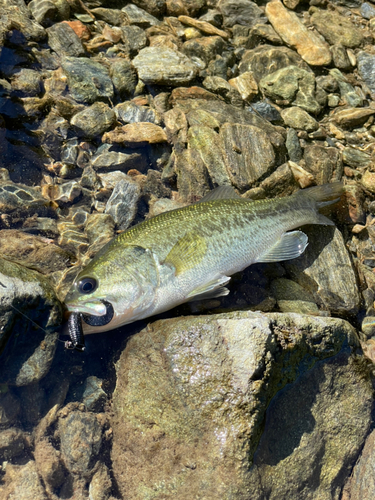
(26, 352)
(134, 38)
(13, 443)
(136, 134)
(361, 484)
(139, 17)
(210, 148)
(298, 118)
(243, 12)
(340, 57)
(32, 251)
(192, 176)
(27, 83)
(210, 377)
(249, 154)
(347, 91)
(293, 146)
(267, 59)
(164, 66)
(325, 270)
(71, 237)
(291, 297)
(114, 17)
(44, 12)
(163, 205)
(267, 111)
(64, 41)
(124, 77)
(88, 80)
(105, 161)
(367, 10)
(352, 117)
(94, 120)
(294, 33)
(323, 163)
(356, 158)
(154, 185)
(368, 181)
(203, 49)
(81, 30)
(336, 28)
(122, 205)
(101, 484)
(293, 85)
(81, 439)
(218, 85)
(366, 69)
(9, 411)
(18, 196)
(203, 26)
(246, 85)
(129, 112)
(280, 183)
(100, 228)
(93, 395)
(65, 193)
(22, 482)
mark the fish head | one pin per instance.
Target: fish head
(126, 278)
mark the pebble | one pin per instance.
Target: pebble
(134, 38)
(352, 117)
(164, 66)
(17, 196)
(337, 29)
(139, 17)
(27, 83)
(129, 112)
(243, 12)
(367, 10)
(93, 396)
(298, 118)
(203, 26)
(291, 297)
(136, 134)
(94, 120)
(123, 203)
(246, 85)
(366, 68)
(64, 41)
(124, 77)
(293, 146)
(88, 80)
(311, 48)
(13, 443)
(105, 160)
(368, 181)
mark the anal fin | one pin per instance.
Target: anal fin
(213, 289)
(290, 246)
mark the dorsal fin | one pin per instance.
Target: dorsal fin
(220, 193)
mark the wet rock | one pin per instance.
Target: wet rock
(294, 33)
(336, 28)
(106, 160)
(361, 484)
(291, 297)
(367, 10)
(122, 205)
(88, 80)
(26, 351)
(134, 38)
(340, 57)
(209, 146)
(246, 165)
(94, 120)
(124, 77)
(218, 85)
(298, 118)
(293, 85)
(203, 26)
(243, 12)
(17, 196)
(139, 17)
(100, 228)
(228, 367)
(101, 484)
(136, 134)
(64, 41)
(13, 443)
(22, 482)
(355, 158)
(44, 12)
(32, 251)
(280, 183)
(323, 163)
(81, 439)
(318, 268)
(204, 49)
(71, 237)
(93, 395)
(154, 185)
(246, 85)
(352, 117)
(9, 410)
(366, 68)
(27, 83)
(293, 145)
(267, 111)
(192, 176)
(163, 205)
(65, 193)
(129, 112)
(164, 66)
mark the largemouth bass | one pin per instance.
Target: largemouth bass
(190, 253)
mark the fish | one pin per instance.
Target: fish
(190, 253)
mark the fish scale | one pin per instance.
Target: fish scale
(190, 253)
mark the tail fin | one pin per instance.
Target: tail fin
(323, 195)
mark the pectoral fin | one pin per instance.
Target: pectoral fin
(215, 288)
(187, 252)
(290, 246)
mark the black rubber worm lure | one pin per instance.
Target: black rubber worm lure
(77, 339)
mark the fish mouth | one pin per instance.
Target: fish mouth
(93, 308)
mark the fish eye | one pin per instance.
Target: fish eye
(87, 285)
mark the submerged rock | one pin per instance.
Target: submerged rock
(196, 424)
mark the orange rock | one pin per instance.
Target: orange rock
(136, 134)
(80, 29)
